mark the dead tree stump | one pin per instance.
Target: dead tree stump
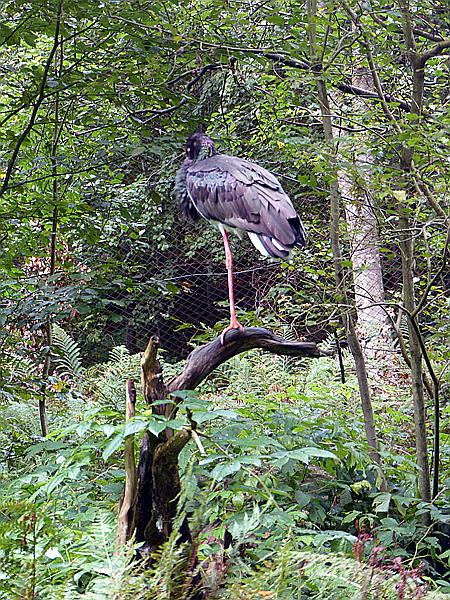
(151, 492)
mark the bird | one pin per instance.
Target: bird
(238, 195)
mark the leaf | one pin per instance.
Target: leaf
(112, 446)
(382, 501)
(350, 518)
(399, 195)
(250, 460)
(319, 453)
(275, 19)
(302, 498)
(134, 426)
(54, 483)
(301, 454)
(108, 430)
(202, 416)
(68, 359)
(138, 424)
(173, 424)
(172, 288)
(156, 427)
(210, 459)
(224, 469)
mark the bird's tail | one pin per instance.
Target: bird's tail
(270, 246)
(299, 231)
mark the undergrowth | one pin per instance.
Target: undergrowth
(287, 476)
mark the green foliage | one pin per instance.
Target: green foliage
(293, 574)
(68, 358)
(285, 469)
(93, 136)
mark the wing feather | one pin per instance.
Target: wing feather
(244, 195)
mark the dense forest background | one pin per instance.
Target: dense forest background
(320, 477)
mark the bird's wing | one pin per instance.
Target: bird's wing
(242, 194)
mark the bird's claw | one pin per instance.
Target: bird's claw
(232, 325)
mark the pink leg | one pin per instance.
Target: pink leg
(234, 323)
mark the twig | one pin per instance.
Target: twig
(37, 104)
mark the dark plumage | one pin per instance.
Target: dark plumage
(239, 194)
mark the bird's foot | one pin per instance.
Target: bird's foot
(234, 324)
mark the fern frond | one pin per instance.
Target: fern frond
(68, 353)
(119, 354)
(21, 367)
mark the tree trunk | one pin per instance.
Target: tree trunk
(373, 324)
(409, 302)
(406, 240)
(342, 297)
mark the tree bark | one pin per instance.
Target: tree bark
(340, 274)
(203, 360)
(153, 508)
(373, 324)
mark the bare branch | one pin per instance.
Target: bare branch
(203, 360)
(164, 111)
(343, 87)
(356, 91)
(417, 31)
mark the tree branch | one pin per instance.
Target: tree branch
(124, 526)
(203, 360)
(436, 50)
(138, 115)
(343, 87)
(356, 91)
(37, 104)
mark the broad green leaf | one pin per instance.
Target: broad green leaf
(381, 502)
(224, 469)
(350, 518)
(115, 443)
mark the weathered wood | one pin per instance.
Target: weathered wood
(167, 488)
(152, 382)
(203, 360)
(158, 482)
(145, 510)
(143, 506)
(125, 520)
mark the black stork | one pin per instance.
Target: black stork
(237, 194)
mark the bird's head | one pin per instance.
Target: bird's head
(199, 146)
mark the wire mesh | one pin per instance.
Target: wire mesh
(173, 284)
